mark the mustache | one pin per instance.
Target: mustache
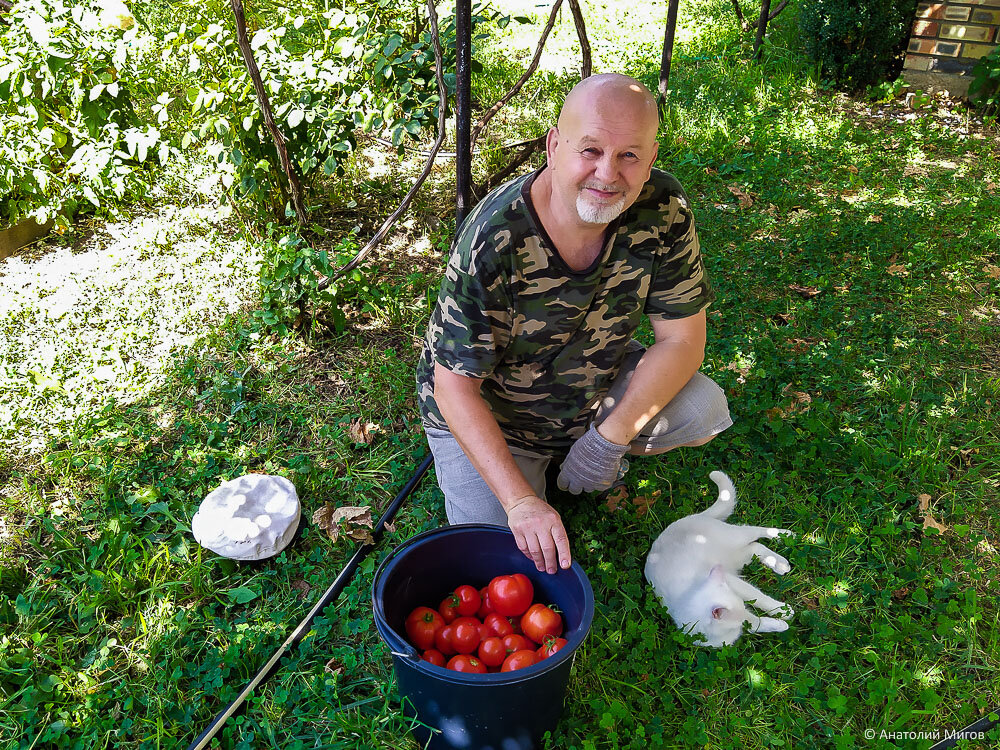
(602, 187)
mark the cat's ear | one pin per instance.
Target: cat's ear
(717, 573)
(718, 613)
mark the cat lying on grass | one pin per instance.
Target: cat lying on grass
(694, 566)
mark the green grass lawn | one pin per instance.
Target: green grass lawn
(854, 248)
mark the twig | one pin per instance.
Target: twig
(522, 80)
(451, 154)
(265, 105)
(581, 33)
(428, 165)
(530, 147)
(5, 5)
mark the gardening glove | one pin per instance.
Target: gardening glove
(592, 464)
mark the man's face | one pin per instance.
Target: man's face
(600, 163)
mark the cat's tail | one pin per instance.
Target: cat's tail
(722, 507)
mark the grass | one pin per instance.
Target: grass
(873, 384)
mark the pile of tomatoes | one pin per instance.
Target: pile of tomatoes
(498, 628)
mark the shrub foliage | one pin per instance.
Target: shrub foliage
(857, 44)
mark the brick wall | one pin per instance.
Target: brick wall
(947, 40)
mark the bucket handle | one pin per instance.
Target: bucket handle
(410, 654)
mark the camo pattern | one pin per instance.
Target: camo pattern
(546, 340)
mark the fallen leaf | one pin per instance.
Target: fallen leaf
(992, 271)
(354, 522)
(782, 319)
(642, 503)
(852, 169)
(363, 432)
(741, 371)
(302, 587)
(616, 499)
(334, 667)
(913, 170)
(874, 219)
(802, 345)
(897, 269)
(930, 522)
(745, 199)
(901, 594)
(807, 292)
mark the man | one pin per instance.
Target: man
(529, 352)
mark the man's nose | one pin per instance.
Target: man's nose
(606, 170)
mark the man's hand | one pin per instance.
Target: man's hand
(592, 464)
(539, 533)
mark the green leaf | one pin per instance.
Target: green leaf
(295, 117)
(96, 91)
(242, 595)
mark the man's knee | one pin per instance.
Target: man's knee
(647, 449)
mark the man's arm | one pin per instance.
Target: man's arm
(665, 368)
(538, 529)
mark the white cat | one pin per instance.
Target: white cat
(694, 567)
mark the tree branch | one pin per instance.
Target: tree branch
(442, 112)
(529, 148)
(265, 106)
(776, 11)
(5, 5)
(765, 11)
(581, 32)
(739, 15)
(521, 81)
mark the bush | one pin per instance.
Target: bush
(69, 73)
(857, 44)
(985, 87)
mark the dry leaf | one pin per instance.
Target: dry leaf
(363, 432)
(992, 271)
(874, 219)
(354, 522)
(643, 502)
(745, 199)
(741, 371)
(782, 319)
(852, 169)
(302, 587)
(616, 499)
(912, 170)
(929, 520)
(334, 667)
(897, 269)
(802, 345)
(806, 292)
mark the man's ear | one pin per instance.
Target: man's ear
(652, 161)
(551, 141)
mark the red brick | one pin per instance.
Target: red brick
(987, 3)
(918, 62)
(925, 28)
(967, 33)
(921, 46)
(930, 10)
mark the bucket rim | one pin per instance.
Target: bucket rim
(404, 652)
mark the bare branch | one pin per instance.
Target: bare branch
(765, 11)
(739, 15)
(521, 81)
(265, 106)
(428, 165)
(776, 11)
(5, 5)
(586, 66)
(529, 148)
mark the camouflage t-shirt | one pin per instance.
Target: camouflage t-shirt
(547, 341)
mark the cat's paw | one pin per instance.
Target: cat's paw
(785, 612)
(780, 566)
(774, 533)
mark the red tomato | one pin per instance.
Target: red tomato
(466, 634)
(519, 660)
(549, 647)
(442, 640)
(464, 663)
(485, 606)
(492, 652)
(434, 656)
(468, 600)
(516, 642)
(498, 625)
(541, 621)
(421, 625)
(511, 595)
(448, 608)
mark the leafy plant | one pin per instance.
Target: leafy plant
(985, 87)
(68, 130)
(857, 44)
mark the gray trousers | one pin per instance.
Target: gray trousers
(698, 412)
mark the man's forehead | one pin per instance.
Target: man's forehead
(586, 139)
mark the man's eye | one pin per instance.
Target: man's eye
(630, 155)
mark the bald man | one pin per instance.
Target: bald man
(529, 353)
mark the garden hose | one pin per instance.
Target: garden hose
(331, 594)
(971, 732)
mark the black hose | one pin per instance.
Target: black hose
(326, 600)
(981, 726)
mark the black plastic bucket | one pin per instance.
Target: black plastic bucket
(501, 711)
